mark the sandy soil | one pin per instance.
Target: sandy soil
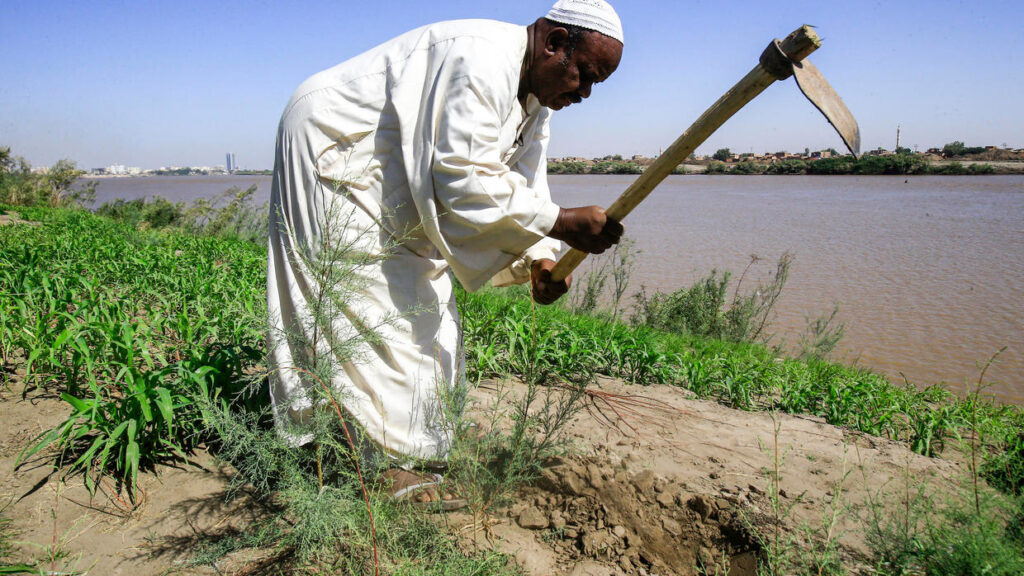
(675, 482)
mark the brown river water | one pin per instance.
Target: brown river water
(928, 272)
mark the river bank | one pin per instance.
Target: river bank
(865, 165)
(678, 451)
(922, 267)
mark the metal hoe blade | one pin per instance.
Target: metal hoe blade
(825, 99)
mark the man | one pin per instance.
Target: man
(423, 157)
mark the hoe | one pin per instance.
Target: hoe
(780, 60)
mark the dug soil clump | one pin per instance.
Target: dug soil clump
(638, 522)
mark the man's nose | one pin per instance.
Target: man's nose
(584, 90)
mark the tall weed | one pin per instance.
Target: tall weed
(705, 308)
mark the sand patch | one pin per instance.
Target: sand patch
(690, 487)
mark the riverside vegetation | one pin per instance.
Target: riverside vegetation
(149, 324)
(903, 163)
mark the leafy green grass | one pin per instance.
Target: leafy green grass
(747, 376)
(126, 326)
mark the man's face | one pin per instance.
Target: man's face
(564, 79)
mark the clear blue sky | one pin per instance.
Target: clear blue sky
(181, 83)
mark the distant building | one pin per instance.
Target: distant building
(230, 162)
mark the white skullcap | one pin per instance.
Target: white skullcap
(596, 15)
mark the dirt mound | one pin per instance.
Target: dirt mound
(681, 485)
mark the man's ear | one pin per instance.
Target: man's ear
(556, 40)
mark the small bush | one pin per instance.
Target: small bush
(157, 212)
(951, 169)
(704, 309)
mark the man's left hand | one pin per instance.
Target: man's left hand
(545, 289)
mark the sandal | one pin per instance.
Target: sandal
(419, 489)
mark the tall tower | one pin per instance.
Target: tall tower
(227, 162)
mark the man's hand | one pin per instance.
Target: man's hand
(546, 290)
(586, 228)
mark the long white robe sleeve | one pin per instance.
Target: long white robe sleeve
(419, 155)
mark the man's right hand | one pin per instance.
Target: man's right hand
(586, 228)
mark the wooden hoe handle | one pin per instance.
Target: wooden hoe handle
(776, 64)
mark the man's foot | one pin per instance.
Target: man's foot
(420, 489)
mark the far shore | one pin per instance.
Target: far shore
(998, 168)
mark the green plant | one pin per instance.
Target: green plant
(6, 546)
(704, 309)
(123, 324)
(973, 531)
(808, 550)
(587, 290)
(55, 187)
(822, 335)
(156, 212)
(231, 214)
(143, 417)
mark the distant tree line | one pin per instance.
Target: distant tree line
(607, 165)
(897, 164)
(957, 148)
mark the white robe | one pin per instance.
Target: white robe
(420, 152)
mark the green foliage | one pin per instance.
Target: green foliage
(704, 309)
(7, 532)
(566, 167)
(615, 167)
(20, 186)
(319, 520)
(925, 535)
(607, 165)
(951, 169)
(822, 335)
(1005, 470)
(791, 166)
(229, 215)
(716, 168)
(747, 168)
(694, 310)
(810, 550)
(155, 212)
(957, 148)
(832, 166)
(126, 326)
(722, 154)
(894, 164)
